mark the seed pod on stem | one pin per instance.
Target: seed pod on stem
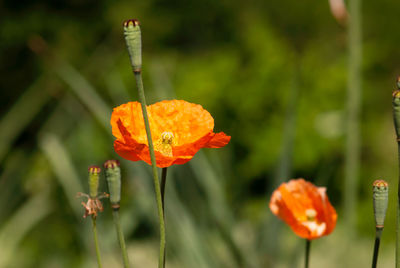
(380, 190)
(113, 177)
(94, 172)
(133, 38)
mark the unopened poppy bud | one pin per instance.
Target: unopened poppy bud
(113, 177)
(380, 190)
(94, 172)
(133, 40)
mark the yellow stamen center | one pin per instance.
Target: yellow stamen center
(167, 137)
(164, 144)
(311, 214)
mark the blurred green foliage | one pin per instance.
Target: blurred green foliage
(272, 74)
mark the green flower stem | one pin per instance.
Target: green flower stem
(96, 241)
(398, 215)
(307, 256)
(139, 83)
(133, 38)
(120, 235)
(352, 156)
(113, 177)
(378, 234)
(163, 182)
(396, 117)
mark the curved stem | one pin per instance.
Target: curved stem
(307, 256)
(121, 238)
(139, 83)
(378, 234)
(96, 242)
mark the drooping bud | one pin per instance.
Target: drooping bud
(133, 38)
(113, 177)
(380, 189)
(94, 172)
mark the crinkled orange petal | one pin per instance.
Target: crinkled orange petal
(191, 126)
(130, 115)
(188, 122)
(218, 140)
(291, 201)
(280, 208)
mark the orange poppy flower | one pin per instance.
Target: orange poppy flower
(178, 128)
(305, 208)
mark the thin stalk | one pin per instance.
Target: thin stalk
(139, 83)
(163, 182)
(396, 117)
(96, 241)
(378, 234)
(352, 157)
(121, 238)
(398, 213)
(307, 256)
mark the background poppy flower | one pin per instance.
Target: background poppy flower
(178, 128)
(305, 208)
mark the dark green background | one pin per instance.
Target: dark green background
(272, 73)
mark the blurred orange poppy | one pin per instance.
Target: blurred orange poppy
(178, 128)
(305, 208)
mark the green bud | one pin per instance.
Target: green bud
(133, 40)
(380, 189)
(94, 172)
(113, 177)
(396, 112)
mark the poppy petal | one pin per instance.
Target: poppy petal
(189, 126)
(305, 208)
(218, 140)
